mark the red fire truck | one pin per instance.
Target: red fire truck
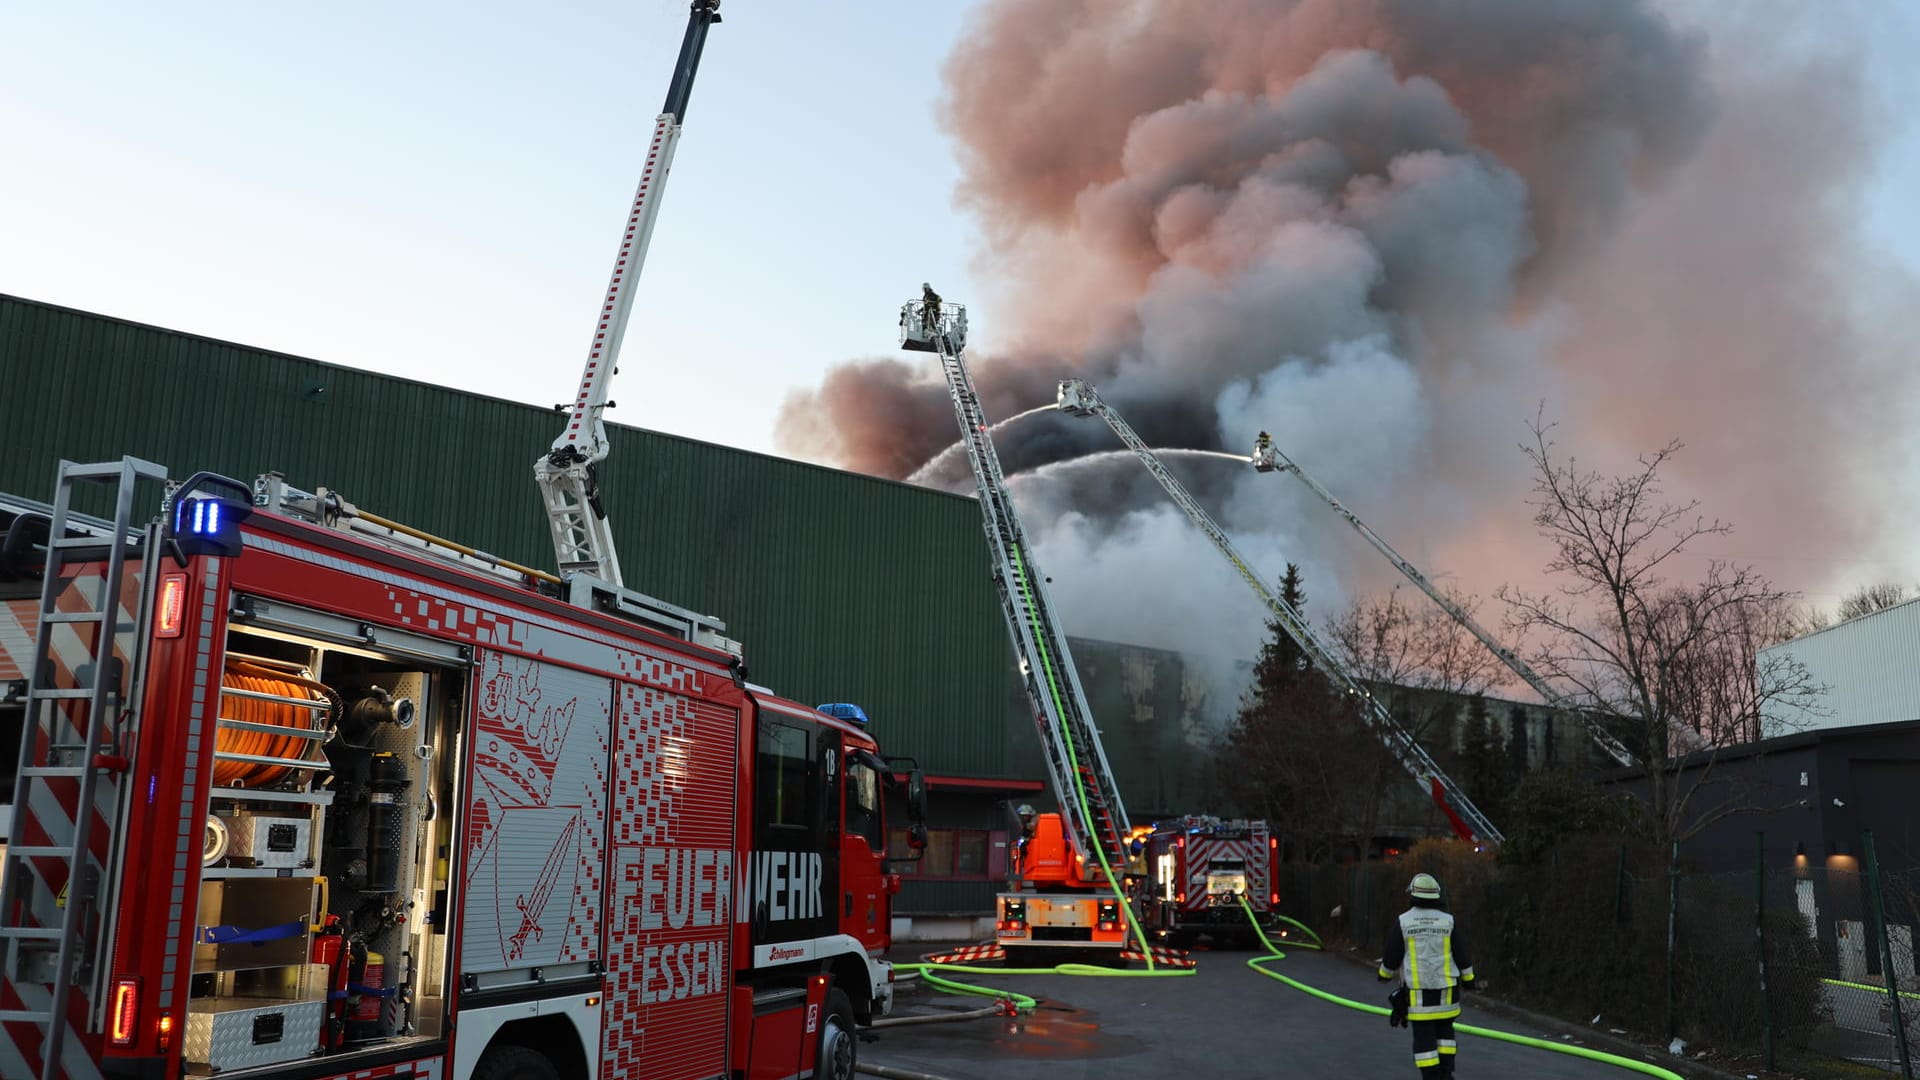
(1193, 872)
(304, 793)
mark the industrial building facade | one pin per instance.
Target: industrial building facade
(843, 587)
(1865, 665)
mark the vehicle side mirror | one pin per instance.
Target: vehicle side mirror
(917, 797)
(917, 836)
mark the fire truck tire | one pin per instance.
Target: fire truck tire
(839, 1041)
(506, 1061)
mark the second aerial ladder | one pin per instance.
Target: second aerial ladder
(1079, 399)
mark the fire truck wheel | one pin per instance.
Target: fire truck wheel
(839, 1046)
(505, 1061)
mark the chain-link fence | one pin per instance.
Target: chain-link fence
(1786, 964)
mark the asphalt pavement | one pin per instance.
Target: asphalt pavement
(1224, 1023)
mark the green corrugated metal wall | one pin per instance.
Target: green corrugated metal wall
(947, 897)
(841, 586)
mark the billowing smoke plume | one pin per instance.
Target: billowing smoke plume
(1385, 231)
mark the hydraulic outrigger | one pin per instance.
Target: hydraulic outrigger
(1076, 398)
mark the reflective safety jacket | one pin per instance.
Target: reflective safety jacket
(1429, 960)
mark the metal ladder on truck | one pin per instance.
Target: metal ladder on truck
(568, 474)
(1268, 458)
(87, 666)
(1092, 813)
(1077, 398)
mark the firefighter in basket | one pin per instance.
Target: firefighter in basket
(1429, 963)
(929, 308)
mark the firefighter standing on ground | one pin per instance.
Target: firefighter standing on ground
(1430, 963)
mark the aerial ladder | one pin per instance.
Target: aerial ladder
(1268, 458)
(568, 473)
(1077, 398)
(1071, 864)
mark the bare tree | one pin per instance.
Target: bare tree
(1868, 599)
(1793, 620)
(1422, 665)
(1672, 663)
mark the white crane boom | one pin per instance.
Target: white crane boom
(1091, 811)
(1076, 398)
(1268, 458)
(567, 473)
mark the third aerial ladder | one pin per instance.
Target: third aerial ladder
(1268, 458)
(1079, 399)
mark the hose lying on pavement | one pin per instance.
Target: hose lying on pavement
(1486, 1033)
(1004, 1007)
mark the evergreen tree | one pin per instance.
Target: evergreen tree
(1488, 773)
(1282, 662)
(1273, 763)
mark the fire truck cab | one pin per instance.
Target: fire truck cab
(1195, 872)
(300, 794)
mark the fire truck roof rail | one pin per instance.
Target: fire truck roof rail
(13, 506)
(327, 508)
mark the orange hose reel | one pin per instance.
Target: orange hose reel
(241, 675)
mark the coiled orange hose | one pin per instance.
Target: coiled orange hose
(241, 675)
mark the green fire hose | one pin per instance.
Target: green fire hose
(1275, 955)
(1021, 1001)
(1079, 785)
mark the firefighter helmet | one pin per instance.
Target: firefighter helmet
(1424, 887)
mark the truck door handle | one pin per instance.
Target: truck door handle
(849, 912)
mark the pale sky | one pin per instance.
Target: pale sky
(434, 190)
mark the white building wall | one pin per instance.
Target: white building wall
(1869, 665)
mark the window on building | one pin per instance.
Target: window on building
(897, 848)
(951, 853)
(970, 854)
(939, 860)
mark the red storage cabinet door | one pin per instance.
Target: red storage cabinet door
(670, 915)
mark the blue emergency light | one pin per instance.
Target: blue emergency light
(206, 517)
(852, 714)
(207, 512)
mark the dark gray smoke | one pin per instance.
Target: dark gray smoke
(1383, 231)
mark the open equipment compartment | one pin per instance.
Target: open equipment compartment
(322, 920)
